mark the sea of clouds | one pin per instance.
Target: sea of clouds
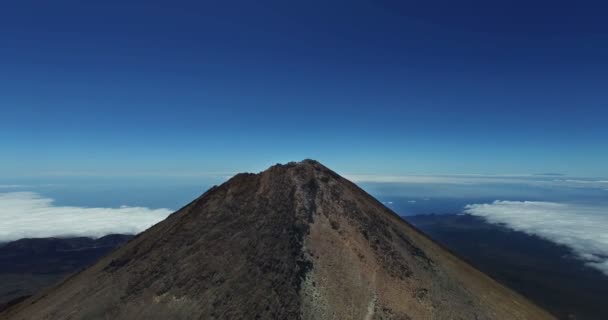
(30, 215)
(582, 228)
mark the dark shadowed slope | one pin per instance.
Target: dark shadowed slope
(545, 272)
(295, 241)
(27, 265)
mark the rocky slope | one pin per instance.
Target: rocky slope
(295, 241)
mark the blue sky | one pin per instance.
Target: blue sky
(132, 88)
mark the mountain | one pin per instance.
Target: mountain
(295, 241)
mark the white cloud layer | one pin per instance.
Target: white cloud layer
(582, 228)
(28, 215)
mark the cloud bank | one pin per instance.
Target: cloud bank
(582, 228)
(29, 215)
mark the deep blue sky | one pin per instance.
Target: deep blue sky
(378, 87)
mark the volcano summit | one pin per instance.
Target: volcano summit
(296, 241)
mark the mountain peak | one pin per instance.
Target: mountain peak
(307, 164)
(296, 241)
(306, 168)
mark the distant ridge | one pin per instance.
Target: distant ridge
(296, 241)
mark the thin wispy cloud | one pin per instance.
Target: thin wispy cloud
(122, 174)
(582, 228)
(30, 215)
(473, 179)
(12, 186)
(423, 179)
(26, 186)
